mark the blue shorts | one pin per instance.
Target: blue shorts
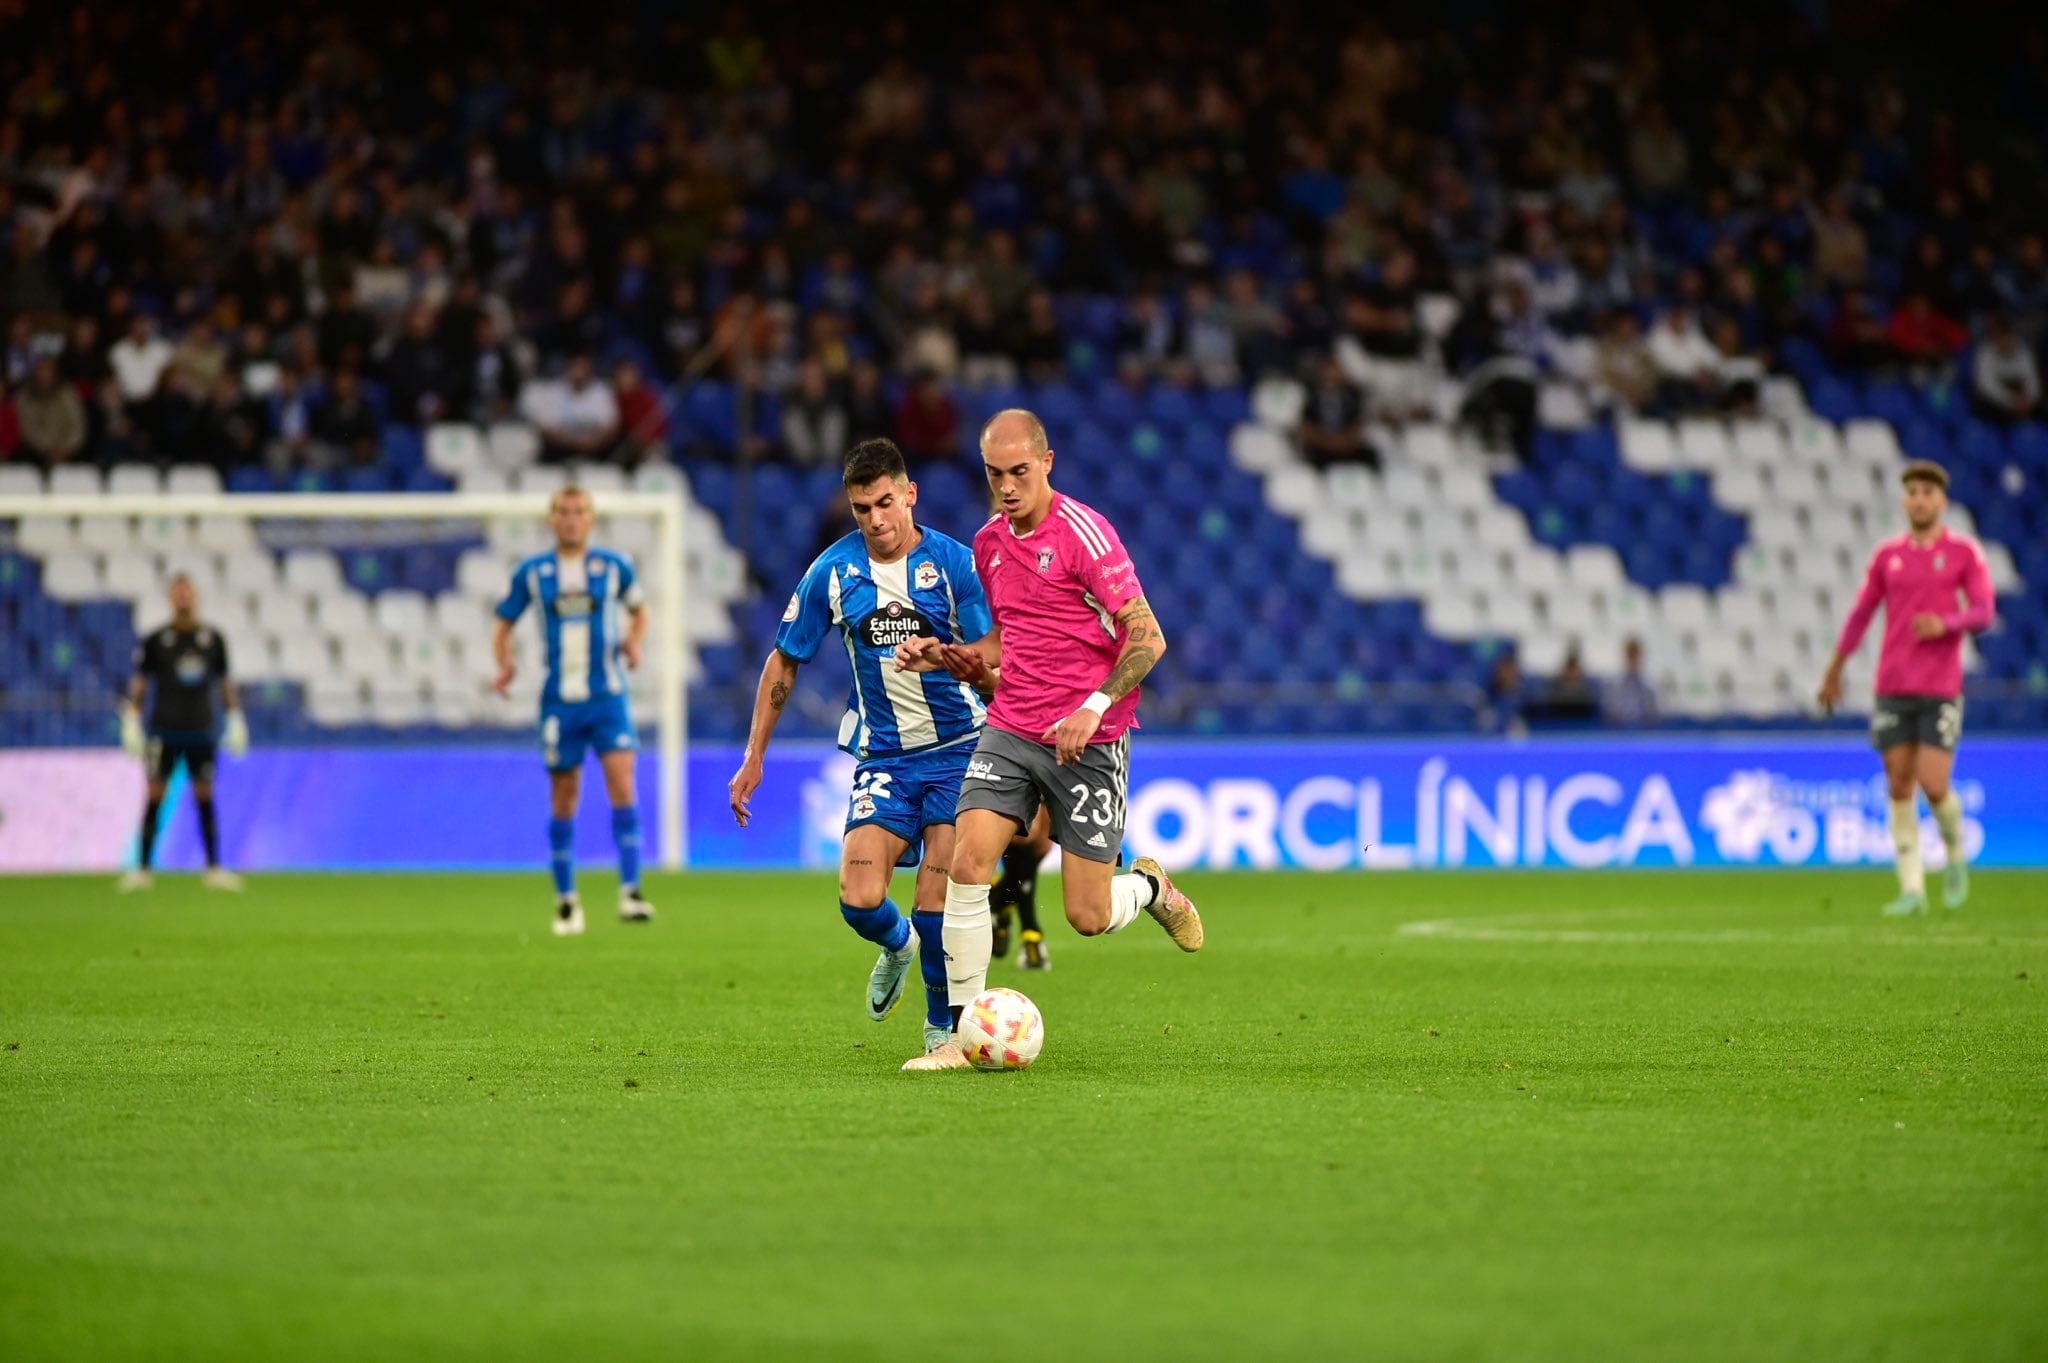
(568, 729)
(907, 793)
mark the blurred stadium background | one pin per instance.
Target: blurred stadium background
(1455, 373)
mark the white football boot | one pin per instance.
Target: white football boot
(941, 1052)
(569, 917)
(885, 981)
(131, 881)
(632, 908)
(220, 878)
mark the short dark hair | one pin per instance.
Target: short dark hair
(1924, 471)
(875, 458)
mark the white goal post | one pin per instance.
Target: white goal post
(667, 582)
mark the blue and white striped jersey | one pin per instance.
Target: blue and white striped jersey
(580, 600)
(932, 591)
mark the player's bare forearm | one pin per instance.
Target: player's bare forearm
(501, 645)
(229, 698)
(777, 685)
(137, 688)
(636, 626)
(1144, 646)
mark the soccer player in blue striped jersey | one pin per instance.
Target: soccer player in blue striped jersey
(912, 733)
(582, 594)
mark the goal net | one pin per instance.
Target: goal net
(349, 618)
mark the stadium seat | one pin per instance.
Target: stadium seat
(20, 480)
(75, 480)
(134, 480)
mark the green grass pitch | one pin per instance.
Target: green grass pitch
(1633, 1116)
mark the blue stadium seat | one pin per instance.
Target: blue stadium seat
(370, 479)
(1058, 403)
(1169, 405)
(1833, 400)
(1226, 407)
(1116, 406)
(250, 478)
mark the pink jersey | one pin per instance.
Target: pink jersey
(1909, 580)
(1054, 594)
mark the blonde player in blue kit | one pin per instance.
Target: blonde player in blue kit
(581, 592)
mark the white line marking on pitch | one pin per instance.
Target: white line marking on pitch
(1501, 928)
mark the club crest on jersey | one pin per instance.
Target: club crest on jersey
(1044, 560)
(927, 576)
(1896, 564)
(1940, 561)
(894, 624)
(789, 611)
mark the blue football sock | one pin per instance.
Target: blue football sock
(626, 833)
(884, 925)
(931, 954)
(562, 854)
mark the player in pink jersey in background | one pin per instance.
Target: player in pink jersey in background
(1074, 637)
(1935, 588)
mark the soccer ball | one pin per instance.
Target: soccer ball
(1001, 1030)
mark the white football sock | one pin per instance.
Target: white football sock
(1906, 844)
(1948, 817)
(970, 941)
(1129, 894)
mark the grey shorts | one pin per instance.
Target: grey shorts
(1013, 777)
(1936, 721)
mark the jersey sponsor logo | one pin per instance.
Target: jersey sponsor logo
(927, 576)
(190, 668)
(789, 612)
(894, 624)
(573, 605)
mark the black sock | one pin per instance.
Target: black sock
(209, 832)
(1020, 872)
(149, 812)
(956, 1011)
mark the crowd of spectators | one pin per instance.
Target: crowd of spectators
(255, 234)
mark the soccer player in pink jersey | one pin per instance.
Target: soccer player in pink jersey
(1074, 637)
(1919, 578)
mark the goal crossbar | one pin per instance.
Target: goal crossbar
(666, 509)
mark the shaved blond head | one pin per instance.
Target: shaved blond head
(1014, 423)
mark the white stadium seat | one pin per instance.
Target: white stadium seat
(1871, 441)
(342, 612)
(44, 535)
(365, 655)
(454, 448)
(193, 480)
(135, 480)
(304, 654)
(659, 477)
(1257, 449)
(131, 575)
(222, 533)
(512, 444)
(280, 610)
(1703, 444)
(1279, 403)
(171, 535)
(249, 570)
(334, 701)
(484, 479)
(539, 480)
(76, 480)
(1292, 489)
(454, 704)
(71, 575)
(399, 704)
(1758, 444)
(600, 478)
(1648, 446)
(105, 533)
(314, 571)
(402, 612)
(20, 480)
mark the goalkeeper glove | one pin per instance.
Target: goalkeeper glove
(235, 734)
(132, 741)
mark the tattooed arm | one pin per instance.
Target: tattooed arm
(778, 681)
(1144, 646)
